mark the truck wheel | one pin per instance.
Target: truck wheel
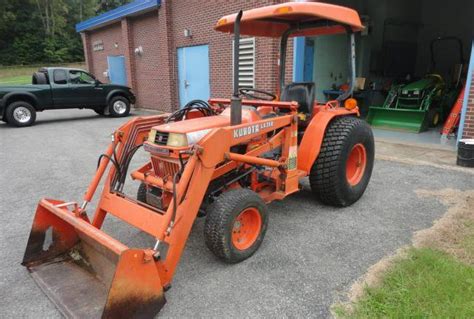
(119, 106)
(20, 114)
(141, 193)
(341, 172)
(235, 225)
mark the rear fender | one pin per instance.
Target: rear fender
(19, 96)
(310, 145)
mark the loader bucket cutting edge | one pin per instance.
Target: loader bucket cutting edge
(398, 119)
(85, 272)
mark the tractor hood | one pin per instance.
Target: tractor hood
(427, 82)
(185, 133)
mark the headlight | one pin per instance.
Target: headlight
(177, 140)
(152, 136)
(416, 92)
(195, 137)
(181, 140)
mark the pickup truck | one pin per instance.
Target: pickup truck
(62, 88)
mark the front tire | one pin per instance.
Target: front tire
(235, 225)
(141, 193)
(119, 106)
(434, 117)
(20, 114)
(342, 171)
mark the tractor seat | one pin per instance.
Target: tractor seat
(301, 92)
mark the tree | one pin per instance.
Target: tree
(43, 31)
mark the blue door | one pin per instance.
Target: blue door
(308, 60)
(193, 73)
(117, 73)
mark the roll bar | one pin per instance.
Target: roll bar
(351, 56)
(236, 100)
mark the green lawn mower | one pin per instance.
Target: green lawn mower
(422, 104)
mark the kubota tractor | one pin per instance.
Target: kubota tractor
(225, 159)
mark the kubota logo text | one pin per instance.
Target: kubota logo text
(252, 129)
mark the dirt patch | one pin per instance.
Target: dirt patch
(450, 232)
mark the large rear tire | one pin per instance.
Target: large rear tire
(342, 171)
(235, 225)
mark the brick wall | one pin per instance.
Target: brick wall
(200, 18)
(154, 75)
(468, 131)
(146, 66)
(110, 36)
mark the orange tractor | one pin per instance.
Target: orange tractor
(224, 159)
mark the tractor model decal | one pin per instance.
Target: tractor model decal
(252, 129)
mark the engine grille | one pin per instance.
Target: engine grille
(164, 168)
(161, 138)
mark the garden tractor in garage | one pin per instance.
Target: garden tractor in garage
(411, 107)
(424, 103)
(224, 159)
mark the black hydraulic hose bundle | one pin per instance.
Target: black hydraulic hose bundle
(200, 105)
(121, 166)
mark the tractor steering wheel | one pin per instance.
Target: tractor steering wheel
(266, 95)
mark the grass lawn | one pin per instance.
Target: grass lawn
(19, 75)
(427, 283)
(434, 278)
(16, 80)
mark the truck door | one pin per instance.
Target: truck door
(85, 90)
(60, 88)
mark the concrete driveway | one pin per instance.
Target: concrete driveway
(311, 253)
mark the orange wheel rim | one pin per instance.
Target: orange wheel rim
(246, 228)
(355, 166)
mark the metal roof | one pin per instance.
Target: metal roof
(135, 7)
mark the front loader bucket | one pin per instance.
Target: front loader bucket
(398, 119)
(85, 272)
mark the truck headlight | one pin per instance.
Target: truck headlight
(177, 140)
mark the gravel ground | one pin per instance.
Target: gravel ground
(310, 256)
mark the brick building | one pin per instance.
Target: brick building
(149, 36)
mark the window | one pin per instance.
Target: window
(80, 77)
(60, 77)
(247, 63)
